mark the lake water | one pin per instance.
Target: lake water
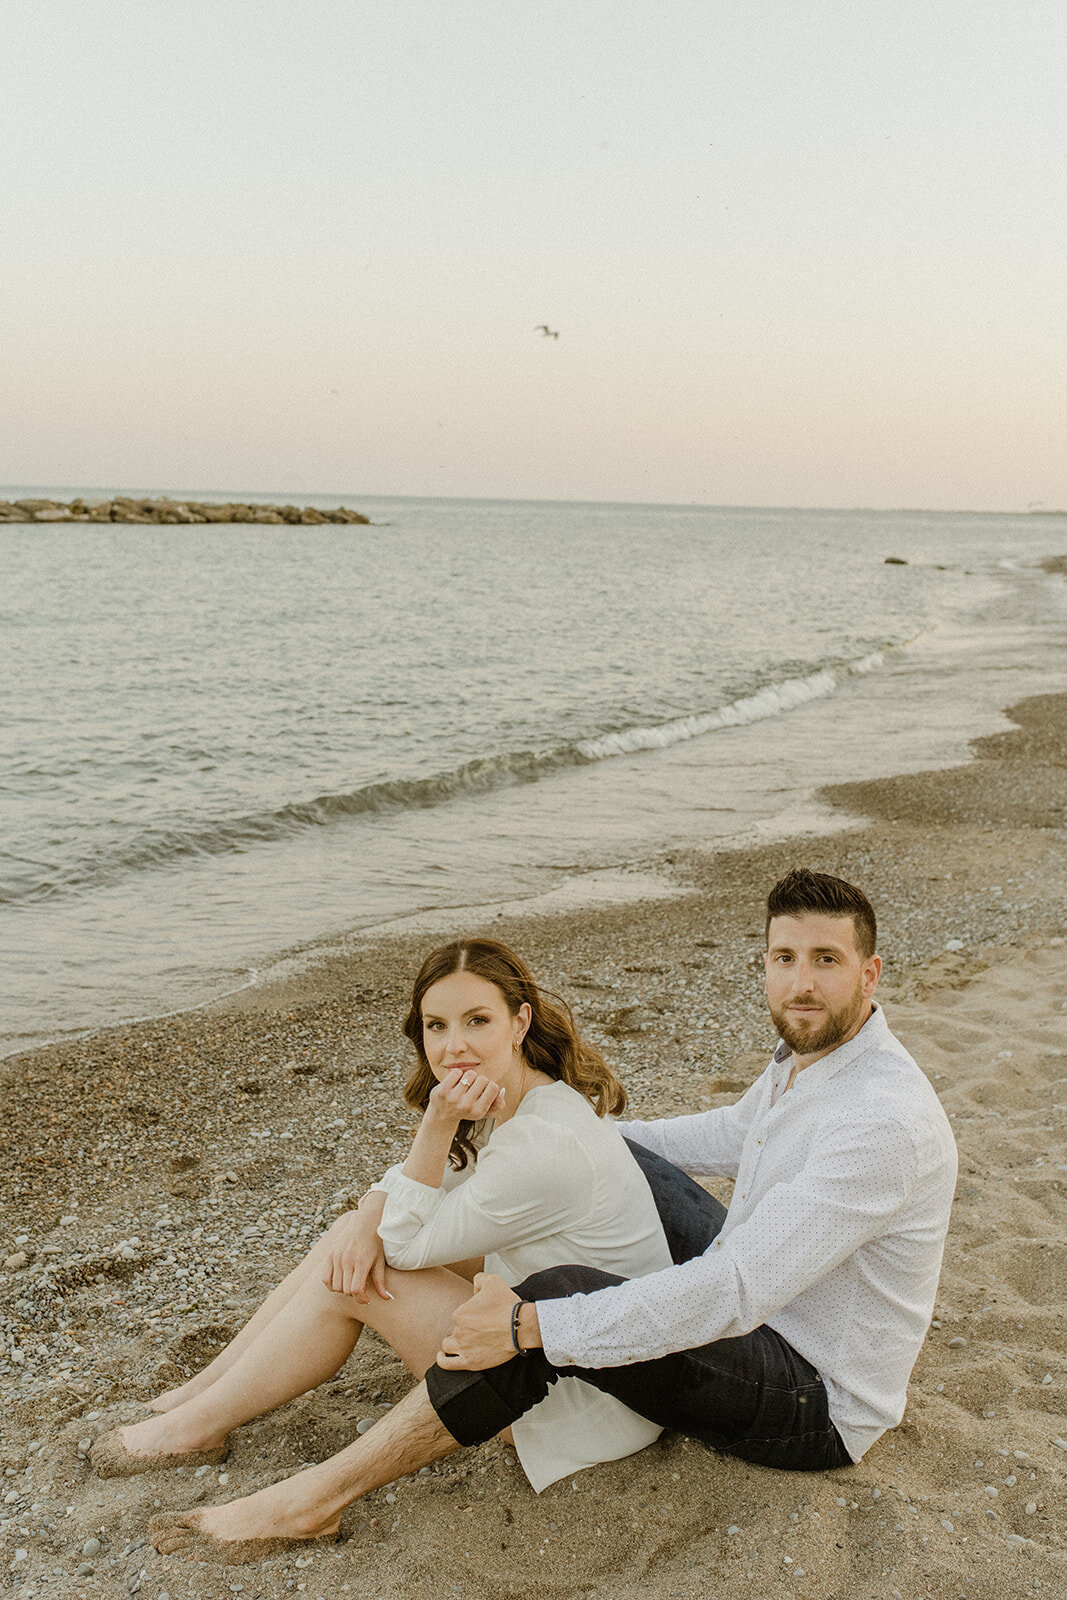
(221, 742)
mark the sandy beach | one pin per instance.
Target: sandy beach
(158, 1178)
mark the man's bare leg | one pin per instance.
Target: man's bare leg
(309, 1505)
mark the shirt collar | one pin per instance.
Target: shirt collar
(875, 1031)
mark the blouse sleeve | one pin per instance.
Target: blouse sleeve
(530, 1180)
(394, 1175)
(856, 1180)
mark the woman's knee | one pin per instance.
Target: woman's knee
(323, 1246)
(336, 1236)
(339, 1228)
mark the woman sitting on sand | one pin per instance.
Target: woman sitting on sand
(550, 1181)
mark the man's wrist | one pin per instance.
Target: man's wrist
(528, 1328)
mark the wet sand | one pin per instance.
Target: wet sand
(158, 1178)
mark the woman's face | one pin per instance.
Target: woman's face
(466, 1023)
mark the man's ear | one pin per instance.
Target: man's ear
(872, 971)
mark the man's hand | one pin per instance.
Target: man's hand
(481, 1328)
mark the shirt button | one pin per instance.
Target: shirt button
(744, 1197)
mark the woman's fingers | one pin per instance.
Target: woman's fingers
(338, 1274)
(377, 1273)
(468, 1095)
(357, 1274)
(356, 1263)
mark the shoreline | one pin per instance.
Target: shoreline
(253, 1118)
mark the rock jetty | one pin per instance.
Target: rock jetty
(124, 509)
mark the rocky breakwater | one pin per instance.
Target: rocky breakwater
(153, 512)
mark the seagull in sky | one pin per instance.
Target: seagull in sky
(549, 333)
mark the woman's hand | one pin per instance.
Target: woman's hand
(464, 1095)
(356, 1263)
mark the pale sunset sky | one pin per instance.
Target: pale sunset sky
(798, 252)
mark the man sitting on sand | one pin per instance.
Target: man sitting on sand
(787, 1329)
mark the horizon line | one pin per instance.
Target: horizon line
(280, 496)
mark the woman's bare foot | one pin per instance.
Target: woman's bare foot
(251, 1528)
(156, 1442)
(171, 1398)
(174, 1433)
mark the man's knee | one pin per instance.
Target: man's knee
(476, 1406)
(557, 1283)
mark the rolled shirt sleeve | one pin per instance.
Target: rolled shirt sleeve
(856, 1176)
(708, 1144)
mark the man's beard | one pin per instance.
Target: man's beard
(806, 1038)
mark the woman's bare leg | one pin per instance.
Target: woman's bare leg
(304, 1343)
(276, 1301)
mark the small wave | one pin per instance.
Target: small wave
(166, 847)
(770, 701)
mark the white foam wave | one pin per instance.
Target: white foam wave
(771, 701)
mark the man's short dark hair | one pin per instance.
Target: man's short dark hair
(802, 893)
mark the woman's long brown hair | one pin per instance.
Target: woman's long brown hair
(552, 1044)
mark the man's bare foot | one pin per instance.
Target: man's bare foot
(248, 1529)
(156, 1443)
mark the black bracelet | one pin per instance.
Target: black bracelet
(516, 1308)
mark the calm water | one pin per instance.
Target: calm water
(219, 742)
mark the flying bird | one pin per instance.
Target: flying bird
(549, 333)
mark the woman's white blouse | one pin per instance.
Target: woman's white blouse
(554, 1185)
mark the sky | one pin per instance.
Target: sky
(798, 252)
